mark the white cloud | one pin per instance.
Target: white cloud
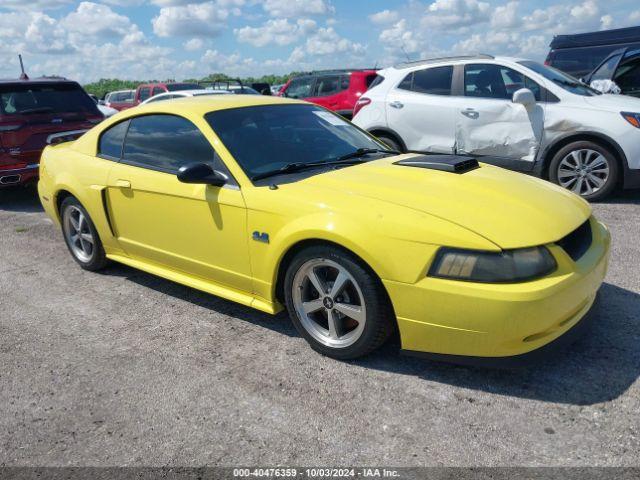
(205, 19)
(297, 8)
(277, 31)
(384, 17)
(34, 5)
(193, 44)
(400, 38)
(506, 16)
(96, 20)
(447, 14)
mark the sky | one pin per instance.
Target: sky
(177, 39)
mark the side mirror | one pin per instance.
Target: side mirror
(525, 97)
(201, 173)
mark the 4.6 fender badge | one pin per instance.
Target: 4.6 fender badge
(260, 237)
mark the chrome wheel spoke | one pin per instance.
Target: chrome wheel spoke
(339, 284)
(352, 311)
(333, 321)
(74, 223)
(87, 237)
(564, 173)
(316, 282)
(597, 182)
(312, 306)
(583, 171)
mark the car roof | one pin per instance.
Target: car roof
(40, 80)
(606, 37)
(202, 104)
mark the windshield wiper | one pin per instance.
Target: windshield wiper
(27, 111)
(362, 152)
(349, 158)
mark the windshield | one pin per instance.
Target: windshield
(567, 82)
(268, 137)
(174, 87)
(32, 98)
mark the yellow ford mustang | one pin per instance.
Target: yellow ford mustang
(272, 202)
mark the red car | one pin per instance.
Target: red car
(34, 113)
(148, 90)
(337, 90)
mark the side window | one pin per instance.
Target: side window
(606, 71)
(628, 77)
(327, 85)
(157, 91)
(165, 143)
(300, 87)
(433, 81)
(111, 140)
(145, 93)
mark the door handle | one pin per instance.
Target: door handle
(123, 183)
(471, 113)
(396, 104)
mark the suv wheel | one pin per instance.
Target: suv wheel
(390, 142)
(81, 236)
(586, 169)
(337, 305)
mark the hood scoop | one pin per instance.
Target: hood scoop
(445, 163)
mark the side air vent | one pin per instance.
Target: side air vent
(445, 163)
(577, 242)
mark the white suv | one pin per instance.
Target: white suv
(515, 113)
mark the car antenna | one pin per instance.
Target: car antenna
(23, 76)
(405, 53)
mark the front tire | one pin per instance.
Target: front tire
(390, 142)
(585, 168)
(336, 303)
(81, 236)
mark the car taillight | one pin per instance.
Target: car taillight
(362, 102)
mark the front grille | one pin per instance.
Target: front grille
(577, 242)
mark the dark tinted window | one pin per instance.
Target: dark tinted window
(166, 143)
(299, 87)
(434, 81)
(607, 69)
(157, 91)
(511, 81)
(145, 92)
(374, 80)
(265, 138)
(567, 82)
(174, 87)
(328, 85)
(111, 141)
(33, 98)
(627, 77)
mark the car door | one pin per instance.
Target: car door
(627, 75)
(607, 68)
(490, 124)
(420, 111)
(327, 89)
(197, 229)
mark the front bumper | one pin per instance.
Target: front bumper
(19, 176)
(489, 320)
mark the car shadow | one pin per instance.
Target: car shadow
(20, 199)
(631, 197)
(599, 367)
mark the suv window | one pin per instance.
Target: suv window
(496, 81)
(300, 87)
(33, 98)
(329, 85)
(157, 91)
(165, 143)
(628, 77)
(111, 140)
(606, 71)
(434, 81)
(145, 92)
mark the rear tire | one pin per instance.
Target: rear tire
(81, 236)
(587, 169)
(351, 316)
(390, 142)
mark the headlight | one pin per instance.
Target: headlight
(632, 118)
(493, 267)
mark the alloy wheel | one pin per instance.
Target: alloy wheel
(78, 234)
(583, 171)
(329, 303)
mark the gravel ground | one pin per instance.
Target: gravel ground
(123, 368)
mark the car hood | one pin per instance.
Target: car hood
(618, 103)
(509, 209)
